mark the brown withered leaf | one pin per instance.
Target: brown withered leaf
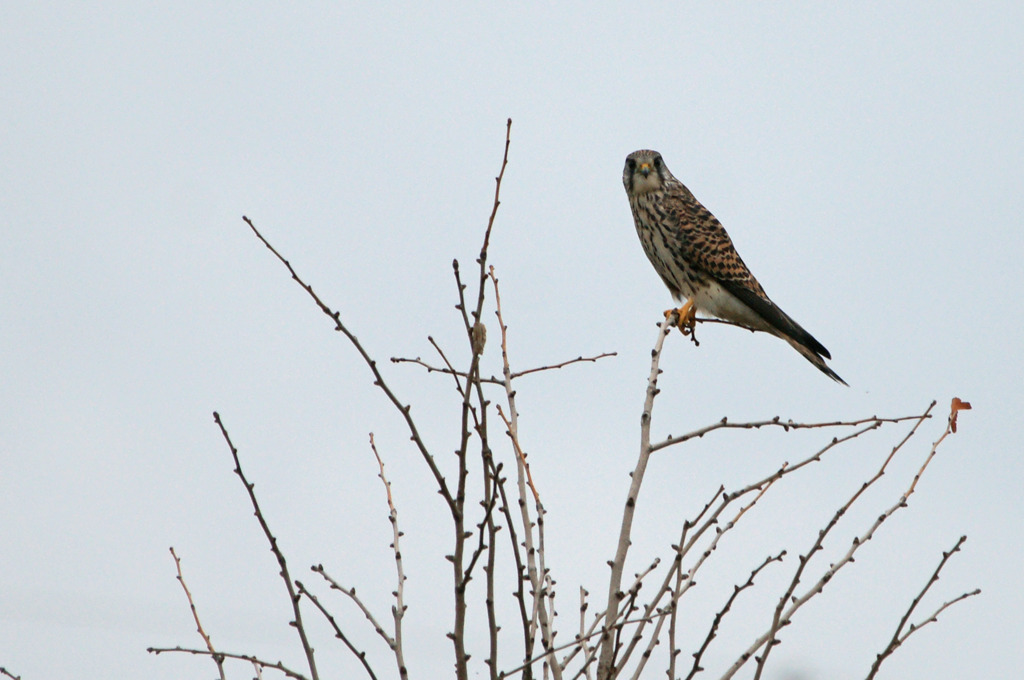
(955, 407)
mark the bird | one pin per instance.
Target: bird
(696, 259)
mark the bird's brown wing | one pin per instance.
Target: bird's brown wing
(707, 246)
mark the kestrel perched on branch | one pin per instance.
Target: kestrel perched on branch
(698, 262)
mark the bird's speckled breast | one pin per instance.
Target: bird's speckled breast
(663, 247)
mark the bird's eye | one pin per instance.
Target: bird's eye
(657, 161)
(631, 164)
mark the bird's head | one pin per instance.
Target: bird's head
(645, 171)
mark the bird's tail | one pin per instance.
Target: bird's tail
(804, 342)
(814, 357)
(770, 318)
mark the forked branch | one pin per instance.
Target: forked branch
(902, 631)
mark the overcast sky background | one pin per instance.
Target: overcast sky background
(866, 159)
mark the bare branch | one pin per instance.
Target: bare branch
(498, 381)
(622, 638)
(378, 378)
(442, 369)
(492, 479)
(783, 613)
(292, 595)
(632, 594)
(351, 593)
(575, 644)
(217, 659)
(475, 336)
(697, 668)
(552, 367)
(482, 260)
(684, 581)
(899, 637)
(786, 425)
(606, 662)
(520, 592)
(398, 611)
(276, 665)
(679, 548)
(488, 504)
(535, 569)
(337, 629)
(582, 635)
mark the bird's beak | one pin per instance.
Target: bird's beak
(645, 169)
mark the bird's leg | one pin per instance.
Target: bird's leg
(686, 318)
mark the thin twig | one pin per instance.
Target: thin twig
(606, 662)
(899, 637)
(403, 409)
(697, 668)
(783, 613)
(786, 425)
(575, 644)
(521, 578)
(679, 549)
(535, 569)
(804, 559)
(274, 548)
(683, 583)
(276, 665)
(582, 636)
(579, 359)
(476, 346)
(338, 633)
(351, 593)
(476, 334)
(217, 659)
(491, 482)
(488, 504)
(726, 499)
(520, 455)
(398, 611)
(485, 542)
(499, 381)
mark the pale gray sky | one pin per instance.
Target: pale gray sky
(866, 159)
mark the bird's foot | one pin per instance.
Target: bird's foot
(686, 320)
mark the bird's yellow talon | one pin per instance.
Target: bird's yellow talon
(686, 319)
